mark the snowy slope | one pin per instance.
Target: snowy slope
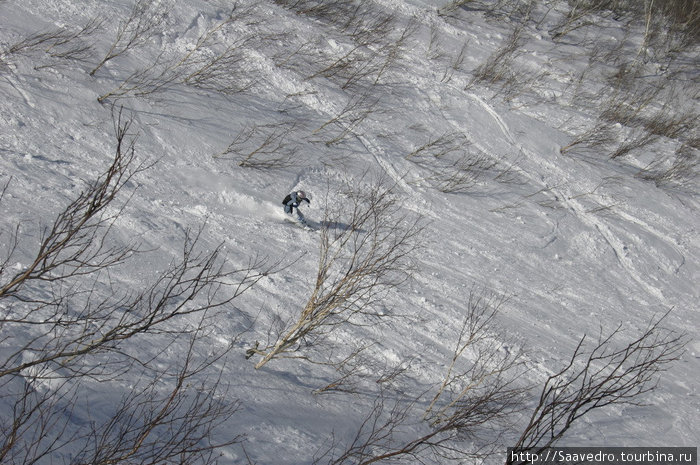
(575, 241)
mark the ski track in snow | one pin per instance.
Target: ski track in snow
(557, 177)
(290, 83)
(28, 100)
(416, 200)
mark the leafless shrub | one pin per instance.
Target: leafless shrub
(144, 82)
(333, 11)
(498, 67)
(63, 327)
(680, 172)
(449, 8)
(437, 53)
(375, 437)
(598, 136)
(499, 72)
(365, 250)
(134, 430)
(635, 140)
(369, 57)
(627, 105)
(351, 369)
(602, 376)
(263, 146)
(683, 19)
(601, 202)
(61, 44)
(509, 173)
(221, 69)
(579, 15)
(358, 367)
(647, 118)
(74, 244)
(440, 147)
(145, 20)
(367, 41)
(484, 359)
(211, 65)
(671, 123)
(359, 19)
(373, 41)
(485, 396)
(357, 109)
(299, 55)
(544, 197)
(435, 49)
(456, 63)
(223, 73)
(449, 164)
(476, 397)
(462, 174)
(679, 18)
(395, 47)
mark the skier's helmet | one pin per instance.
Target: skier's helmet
(301, 194)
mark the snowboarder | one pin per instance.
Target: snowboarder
(292, 201)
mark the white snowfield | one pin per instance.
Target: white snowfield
(232, 105)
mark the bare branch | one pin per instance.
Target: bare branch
(263, 147)
(63, 326)
(144, 21)
(61, 44)
(364, 251)
(599, 377)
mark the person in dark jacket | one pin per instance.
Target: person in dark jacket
(294, 200)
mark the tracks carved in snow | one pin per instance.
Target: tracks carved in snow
(589, 219)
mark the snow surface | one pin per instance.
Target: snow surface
(545, 238)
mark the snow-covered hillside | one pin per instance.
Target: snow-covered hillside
(543, 165)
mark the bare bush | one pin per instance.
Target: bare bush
(456, 63)
(263, 147)
(683, 18)
(212, 64)
(475, 398)
(64, 326)
(499, 72)
(435, 50)
(679, 18)
(375, 438)
(342, 125)
(635, 140)
(144, 82)
(367, 62)
(58, 44)
(598, 136)
(498, 67)
(360, 19)
(597, 378)
(134, 430)
(647, 113)
(365, 250)
(580, 15)
(209, 66)
(376, 40)
(473, 408)
(680, 171)
(448, 163)
(485, 359)
(145, 20)
(357, 367)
